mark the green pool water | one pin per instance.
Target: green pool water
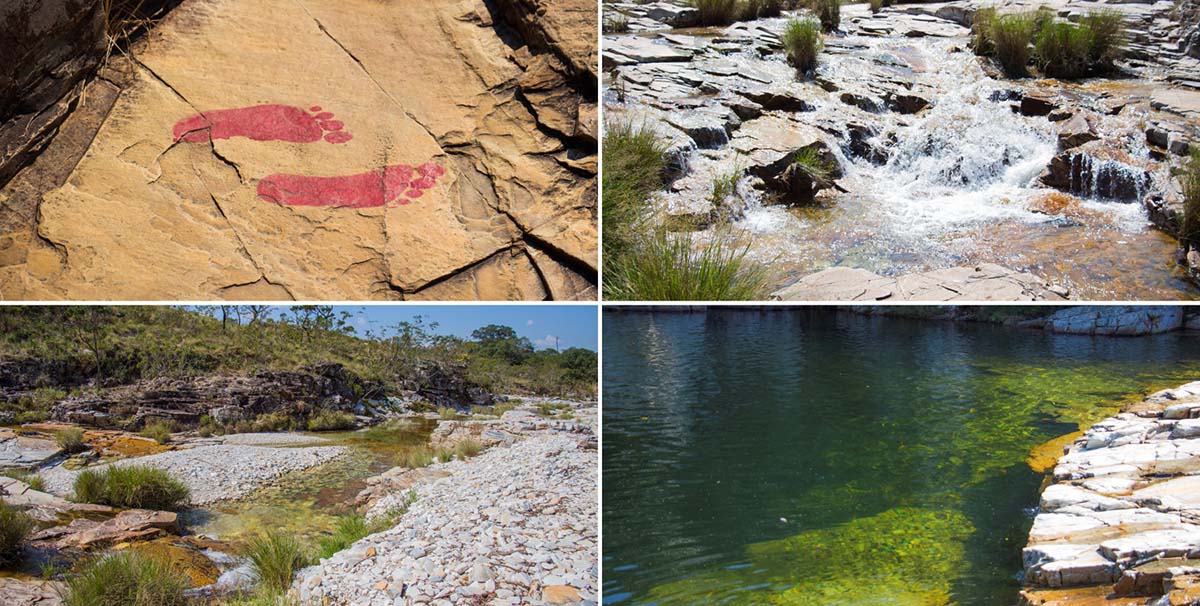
(810, 457)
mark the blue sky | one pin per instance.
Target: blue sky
(574, 325)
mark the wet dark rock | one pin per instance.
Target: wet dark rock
(907, 103)
(778, 99)
(673, 15)
(1037, 104)
(707, 129)
(49, 47)
(1095, 170)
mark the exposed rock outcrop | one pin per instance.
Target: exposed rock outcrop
(324, 200)
(1117, 320)
(1122, 513)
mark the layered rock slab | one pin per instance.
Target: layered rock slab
(1122, 515)
(143, 217)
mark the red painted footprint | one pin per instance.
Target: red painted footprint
(262, 123)
(398, 182)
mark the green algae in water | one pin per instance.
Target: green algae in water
(902, 557)
(720, 426)
(309, 503)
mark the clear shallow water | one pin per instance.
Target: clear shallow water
(809, 457)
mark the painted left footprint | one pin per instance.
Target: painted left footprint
(271, 122)
(398, 182)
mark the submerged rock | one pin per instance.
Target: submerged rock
(987, 282)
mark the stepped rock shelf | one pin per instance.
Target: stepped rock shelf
(942, 168)
(1121, 522)
(320, 150)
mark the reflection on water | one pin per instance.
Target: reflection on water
(810, 457)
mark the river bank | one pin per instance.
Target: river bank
(947, 179)
(1120, 524)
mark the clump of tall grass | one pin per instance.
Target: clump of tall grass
(467, 448)
(829, 12)
(159, 431)
(331, 420)
(802, 43)
(617, 23)
(876, 5)
(274, 559)
(133, 486)
(981, 31)
(761, 9)
(348, 530)
(29, 478)
(447, 413)
(70, 440)
(1108, 37)
(671, 268)
(724, 185)
(126, 579)
(1189, 178)
(810, 161)
(634, 163)
(717, 12)
(415, 458)
(1010, 35)
(15, 525)
(1062, 49)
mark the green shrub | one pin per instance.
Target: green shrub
(448, 414)
(126, 579)
(1107, 27)
(1189, 178)
(31, 416)
(802, 43)
(810, 160)
(15, 525)
(716, 12)
(667, 267)
(274, 558)
(1010, 35)
(467, 449)
(829, 12)
(133, 486)
(70, 440)
(331, 420)
(276, 421)
(1061, 49)
(159, 431)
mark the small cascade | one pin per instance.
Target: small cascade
(1105, 178)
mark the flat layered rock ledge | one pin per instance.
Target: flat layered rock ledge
(1121, 522)
(985, 282)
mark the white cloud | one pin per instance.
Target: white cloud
(545, 343)
(529, 323)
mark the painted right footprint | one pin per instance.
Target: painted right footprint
(271, 122)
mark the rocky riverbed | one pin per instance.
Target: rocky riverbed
(940, 164)
(516, 525)
(1120, 524)
(529, 499)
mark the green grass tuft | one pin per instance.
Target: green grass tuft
(810, 160)
(1189, 178)
(717, 12)
(159, 431)
(275, 557)
(447, 413)
(30, 478)
(1108, 37)
(829, 12)
(1061, 49)
(15, 525)
(70, 440)
(760, 9)
(467, 449)
(802, 42)
(1010, 35)
(668, 267)
(126, 579)
(133, 486)
(348, 530)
